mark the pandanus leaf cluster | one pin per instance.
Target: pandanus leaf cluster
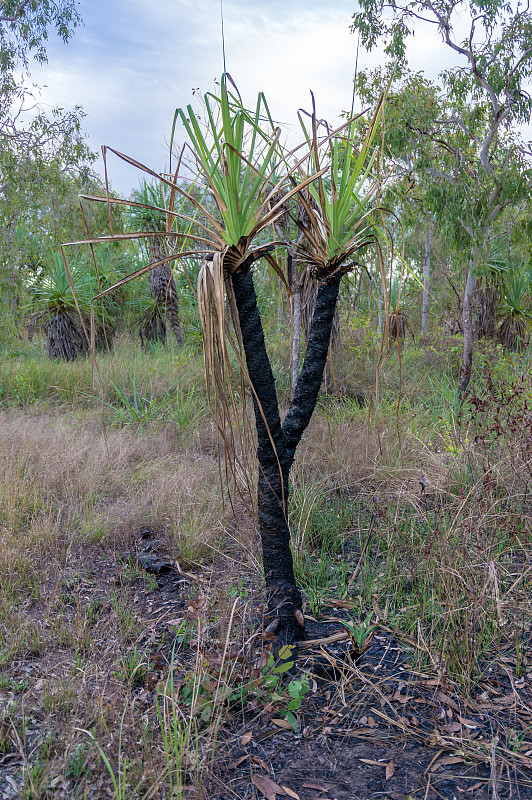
(237, 156)
(339, 203)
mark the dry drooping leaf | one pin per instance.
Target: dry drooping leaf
(390, 769)
(267, 787)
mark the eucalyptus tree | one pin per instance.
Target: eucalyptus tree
(410, 106)
(24, 28)
(484, 167)
(44, 160)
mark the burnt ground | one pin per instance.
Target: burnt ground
(390, 732)
(370, 727)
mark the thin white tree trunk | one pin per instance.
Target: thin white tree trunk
(381, 312)
(426, 281)
(467, 326)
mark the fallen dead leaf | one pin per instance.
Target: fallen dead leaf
(474, 787)
(290, 793)
(398, 696)
(174, 622)
(282, 723)
(452, 727)
(267, 787)
(373, 762)
(260, 763)
(506, 701)
(390, 769)
(316, 786)
(446, 761)
(237, 763)
(469, 723)
(444, 698)
(246, 738)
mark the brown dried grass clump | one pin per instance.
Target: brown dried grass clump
(97, 486)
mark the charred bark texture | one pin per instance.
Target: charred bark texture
(311, 376)
(276, 443)
(272, 491)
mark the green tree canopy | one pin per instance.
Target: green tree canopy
(473, 162)
(24, 29)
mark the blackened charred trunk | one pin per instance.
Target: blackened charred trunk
(272, 491)
(276, 443)
(311, 376)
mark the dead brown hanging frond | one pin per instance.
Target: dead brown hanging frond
(225, 384)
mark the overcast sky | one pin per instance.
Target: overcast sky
(133, 62)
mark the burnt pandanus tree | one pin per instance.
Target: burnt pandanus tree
(240, 161)
(332, 184)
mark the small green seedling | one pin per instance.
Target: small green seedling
(206, 692)
(360, 633)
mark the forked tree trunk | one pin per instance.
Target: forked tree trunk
(277, 443)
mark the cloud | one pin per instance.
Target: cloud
(132, 63)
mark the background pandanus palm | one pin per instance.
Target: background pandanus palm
(397, 318)
(54, 297)
(150, 215)
(65, 302)
(515, 311)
